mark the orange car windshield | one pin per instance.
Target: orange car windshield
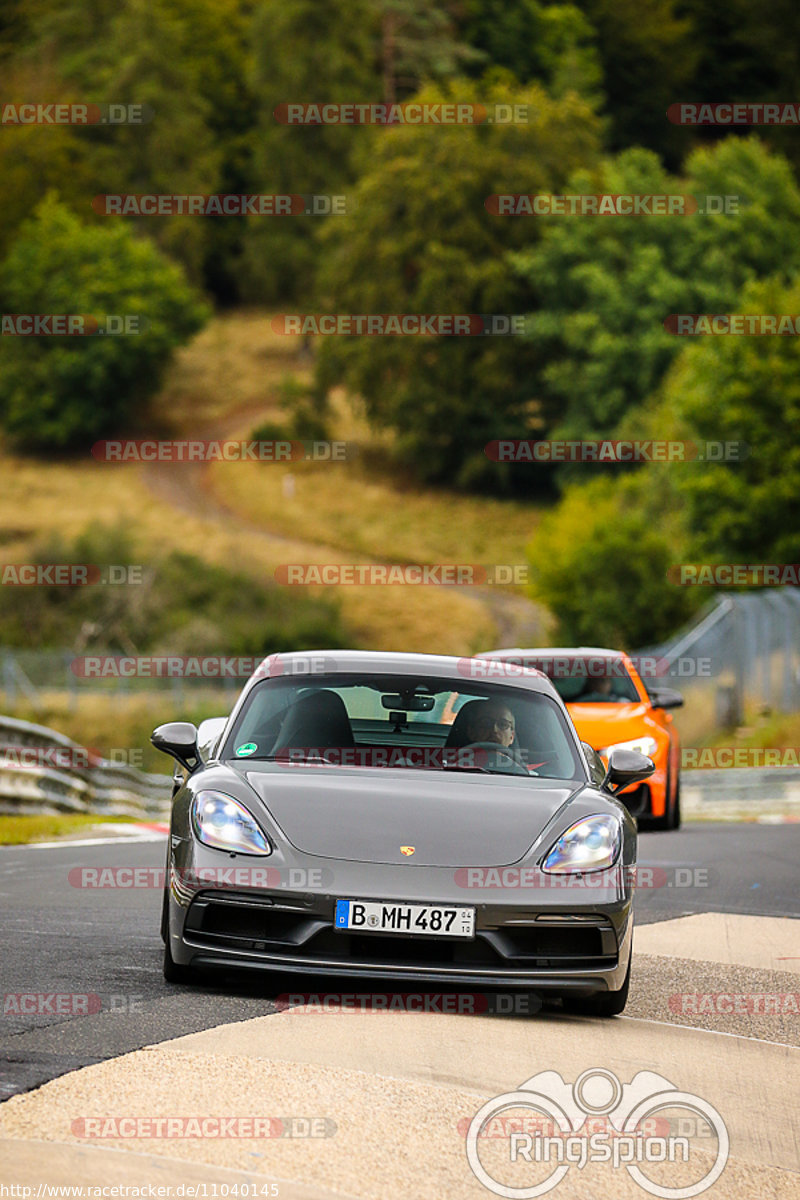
(608, 681)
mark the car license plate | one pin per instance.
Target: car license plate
(369, 916)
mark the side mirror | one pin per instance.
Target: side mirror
(178, 738)
(665, 698)
(627, 766)
(208, 735)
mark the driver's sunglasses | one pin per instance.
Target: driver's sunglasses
(501, 723)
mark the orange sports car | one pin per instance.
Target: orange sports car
(611, 707)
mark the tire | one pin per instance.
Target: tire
(175, 972)
(676, 808)
(672, 812)
(601, 1004)
(165, 917)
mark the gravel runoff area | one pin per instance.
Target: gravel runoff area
(393, 1136)
(390, 1095)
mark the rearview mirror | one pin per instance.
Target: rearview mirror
(627, 766)
(665, 698)
(408, 702)
(178, 738)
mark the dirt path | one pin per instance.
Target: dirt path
(518, 621)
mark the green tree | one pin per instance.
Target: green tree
(599, 562)
(418, 45)
(421, 241)
(648, 51)
(553, 44)
(742, 389)
(605, 284)
(62, 392)
(187, 62)
(745, 53)
(303, 52)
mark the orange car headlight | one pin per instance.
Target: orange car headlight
(645, 745)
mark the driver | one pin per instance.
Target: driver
(492, 722)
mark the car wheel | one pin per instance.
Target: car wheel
(164, 917)
(667, 821)
(676, 808)
(601, 1004)
(175, 972)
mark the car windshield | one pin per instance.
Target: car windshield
(584, 679)
(405, 721)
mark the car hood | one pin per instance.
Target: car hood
(364, 815)
(602, 725)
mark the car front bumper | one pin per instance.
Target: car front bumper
(559, 938)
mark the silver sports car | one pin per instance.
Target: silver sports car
(401, 817)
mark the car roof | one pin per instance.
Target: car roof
(553, 651)
(378, 662)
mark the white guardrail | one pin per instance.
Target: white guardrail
(740, 793)
(76, 782)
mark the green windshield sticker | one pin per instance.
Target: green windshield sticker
(245, 749)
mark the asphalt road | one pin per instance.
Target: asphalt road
(61, 940)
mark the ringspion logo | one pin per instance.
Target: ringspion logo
(630, 1140)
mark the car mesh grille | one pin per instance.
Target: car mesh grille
(253, 926)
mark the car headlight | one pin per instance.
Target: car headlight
(645, 745)
(222, 822)
(591, 844)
